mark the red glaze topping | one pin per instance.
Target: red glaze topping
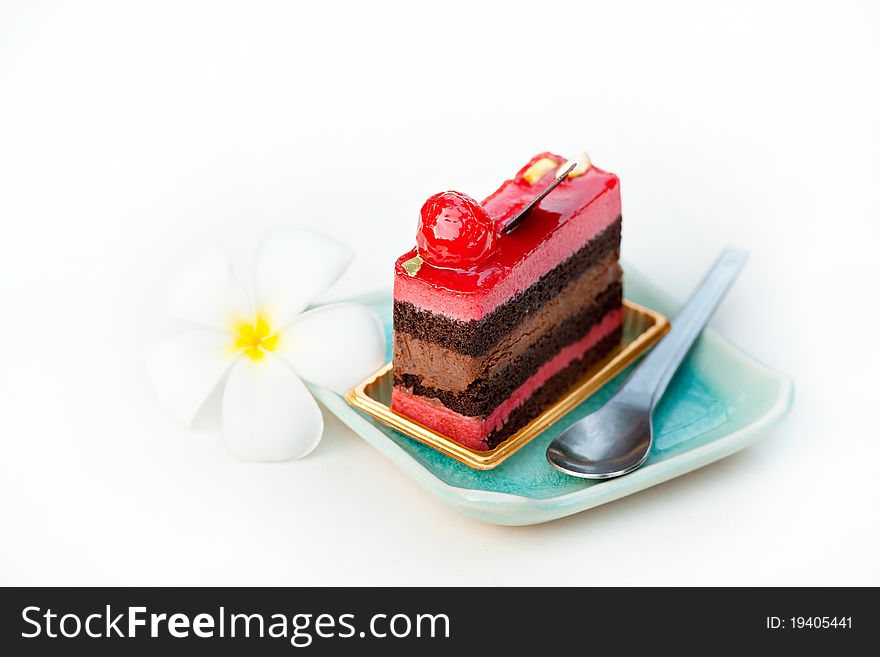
(469, 276)
(454, 231)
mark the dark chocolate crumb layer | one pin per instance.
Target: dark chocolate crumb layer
(483, 395)
(476, 337)
(555, 387)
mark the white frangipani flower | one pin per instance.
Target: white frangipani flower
(266, 343)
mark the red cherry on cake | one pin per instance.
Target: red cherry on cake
(454, 230)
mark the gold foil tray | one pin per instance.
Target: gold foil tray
(641, 329)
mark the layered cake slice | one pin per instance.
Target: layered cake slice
(491, 324)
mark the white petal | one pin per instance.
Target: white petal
(185, 369)
(334, 346)
(292, 266)
(268, 414)
(206, 293)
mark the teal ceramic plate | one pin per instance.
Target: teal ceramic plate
(719, 402)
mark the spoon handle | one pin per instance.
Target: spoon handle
(650, 379)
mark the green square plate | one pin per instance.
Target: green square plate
(720, 401)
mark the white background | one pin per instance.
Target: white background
(133, 133)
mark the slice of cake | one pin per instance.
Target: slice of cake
(493, 326)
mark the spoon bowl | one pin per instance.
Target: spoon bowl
(607, 443)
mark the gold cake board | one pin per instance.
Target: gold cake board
(642, 327)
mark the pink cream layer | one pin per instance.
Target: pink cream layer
(567, 219)
(473, 431)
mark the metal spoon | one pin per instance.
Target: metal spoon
(616, 438)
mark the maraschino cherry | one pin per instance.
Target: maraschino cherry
(454, 231)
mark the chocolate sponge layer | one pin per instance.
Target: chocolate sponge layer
(482, 395)
(476, 337)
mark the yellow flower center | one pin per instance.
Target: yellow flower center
(255, 339)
